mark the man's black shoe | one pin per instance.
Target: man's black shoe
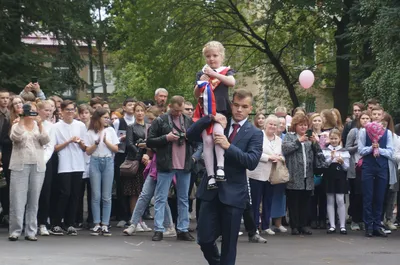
(185, 236)
(158, 236)
(368, 233)
(148, 217)
(306, 231)
(314, 225)
(295, 232)
(379, 232)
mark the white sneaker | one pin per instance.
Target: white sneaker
(145, 227)
(170, 232)
(121, 224)
(139, 228)
(269, 232)
(43, 231)
(130, 230)
(282, 229)
(390, 225)
(240, 233)
(354, 226)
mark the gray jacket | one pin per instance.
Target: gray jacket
(300, 157)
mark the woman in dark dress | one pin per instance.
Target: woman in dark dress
(136, 150)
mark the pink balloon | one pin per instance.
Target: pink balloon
(306, 79)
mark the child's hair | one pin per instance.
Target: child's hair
(335, 131)
(214, 45)
(83, 107)
(339, 123)
(378, 107)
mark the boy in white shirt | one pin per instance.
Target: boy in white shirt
(70, 147)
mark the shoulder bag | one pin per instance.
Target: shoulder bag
(279, 173)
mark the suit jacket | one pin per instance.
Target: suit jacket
(244, 153)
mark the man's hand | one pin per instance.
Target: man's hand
(221, 119)
(122, 138)
(28, 87)
(172, 137)
(142, 145)
(221, 140)
(145, 159)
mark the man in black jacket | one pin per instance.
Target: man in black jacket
(167, 135)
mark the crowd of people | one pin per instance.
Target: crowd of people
(284, 169)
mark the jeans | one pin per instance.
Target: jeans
(182, 189)
(25, 189)
(145, 196)
(101, 173)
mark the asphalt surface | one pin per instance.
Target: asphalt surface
(85, 249)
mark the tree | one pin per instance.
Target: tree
(164, 38)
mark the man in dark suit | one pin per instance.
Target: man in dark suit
(221, 209)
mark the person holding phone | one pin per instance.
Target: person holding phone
(34, 88)
(27, 167)
(300, 151)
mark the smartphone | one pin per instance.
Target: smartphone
(34, 80)
(309, 133)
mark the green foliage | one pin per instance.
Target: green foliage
(384, 81)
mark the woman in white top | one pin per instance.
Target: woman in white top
(27, 167)
(261, 188)
(102, 142)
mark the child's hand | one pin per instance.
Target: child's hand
(210, 72)
(204, 78)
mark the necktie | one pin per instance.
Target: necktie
(236, 127)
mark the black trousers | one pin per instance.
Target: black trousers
(318, 204)
(218, 219)
(356, 202)
(45, 194)
(69, 186)
(298, 202)
(248, 219)
(79, 214)
(122, 210)
(5, 192)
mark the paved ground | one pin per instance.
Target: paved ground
(84, 249)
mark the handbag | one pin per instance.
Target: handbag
(279, 173)
(129, 168)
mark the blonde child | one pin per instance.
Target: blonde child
(211, 90)
(335, 178)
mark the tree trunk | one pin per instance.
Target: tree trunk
(342, 81)
(91, 75)
(99, 45)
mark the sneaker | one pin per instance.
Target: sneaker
(185, 236)
(282, 229)
(355, 227)
(130, 230)
(78, 227)
(145, 227)
(96, 230)
(158, 236)
(139, 228)
(240, 233)
(71, 231)
(43, 231)
(269, 232)
(257, 239)
(390, 225)
(104, 231)
(121, 224)
(170, 232)
(56, 231)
